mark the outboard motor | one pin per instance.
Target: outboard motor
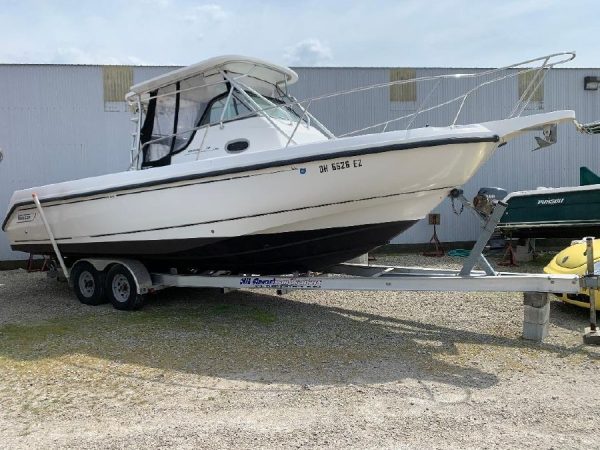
(486, 197)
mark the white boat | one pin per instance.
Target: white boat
(229, 172)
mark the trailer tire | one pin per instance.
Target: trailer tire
(88, 284)
(122, 290)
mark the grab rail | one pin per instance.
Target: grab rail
(545, 63)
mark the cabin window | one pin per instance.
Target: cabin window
(237, 145)
(161, 128)
(193, 102)
(235, 108)
(172, 114)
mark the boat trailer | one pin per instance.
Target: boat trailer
(131, 280)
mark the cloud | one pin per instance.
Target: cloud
(309, 52)
(155, 3)
(208, 13)
(335, 32)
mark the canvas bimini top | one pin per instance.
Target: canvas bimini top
(236, 64)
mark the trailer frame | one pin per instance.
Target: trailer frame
(126, 281)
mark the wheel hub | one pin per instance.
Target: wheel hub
(87, 286)
(121, 288)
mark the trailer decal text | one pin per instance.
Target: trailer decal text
(283, 283)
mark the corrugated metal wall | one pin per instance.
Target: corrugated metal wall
(55, 126)
(61, 122)
(513, 167)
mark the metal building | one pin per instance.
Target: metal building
(61, 122)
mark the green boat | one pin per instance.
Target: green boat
(566, 212)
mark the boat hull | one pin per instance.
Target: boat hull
(272, 253)
(553, 213)
(316, 211)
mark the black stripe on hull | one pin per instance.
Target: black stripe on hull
(260, 253)
(383, 148)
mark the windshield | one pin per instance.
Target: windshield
(267, 103)
(237, 107)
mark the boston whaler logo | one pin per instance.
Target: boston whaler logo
(551, 201)
(25, 217)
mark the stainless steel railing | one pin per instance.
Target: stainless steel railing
(538, 66)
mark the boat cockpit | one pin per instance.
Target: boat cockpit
(219, 107)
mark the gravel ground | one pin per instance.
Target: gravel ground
(196, 368)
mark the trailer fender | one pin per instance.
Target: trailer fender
(138, 271)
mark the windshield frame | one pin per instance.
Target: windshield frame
(273, 109)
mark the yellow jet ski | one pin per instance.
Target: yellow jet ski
(573, 260)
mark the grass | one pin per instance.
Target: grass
(33, 332)
(212, 338)
(130, 335)
(240, 311)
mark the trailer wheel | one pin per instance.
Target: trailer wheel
(121, 289)
(88, 284)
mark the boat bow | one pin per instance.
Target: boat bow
(508, 129)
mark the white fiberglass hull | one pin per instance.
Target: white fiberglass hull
(320, 204)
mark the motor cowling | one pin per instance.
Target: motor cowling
(486, 198)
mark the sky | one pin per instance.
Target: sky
(401, 33)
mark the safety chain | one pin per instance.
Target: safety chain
(462, 207)
(588, 128)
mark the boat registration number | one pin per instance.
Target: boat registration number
(340, 165)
